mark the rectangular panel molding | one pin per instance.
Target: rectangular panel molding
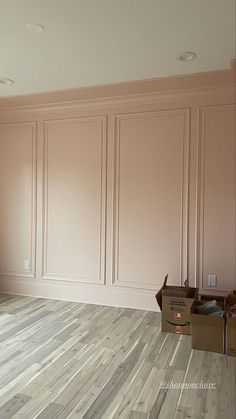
(105, 190)
(217, 196)
(18, 199)
(74, 200)
(151, 198)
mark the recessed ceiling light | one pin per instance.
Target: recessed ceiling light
(35, 28)
(7, 82)
(187, 56)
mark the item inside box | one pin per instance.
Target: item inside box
(219, 299)
(211, 308)
(232, 311)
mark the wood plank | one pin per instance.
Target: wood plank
(13, 405)
(70, 360)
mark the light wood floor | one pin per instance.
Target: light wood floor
(68, 360)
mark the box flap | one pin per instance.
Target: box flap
(180, 292)
(159, 294)
(231, 299)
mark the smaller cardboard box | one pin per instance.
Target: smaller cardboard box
(175, 303)
(230, 327)
(208, 332)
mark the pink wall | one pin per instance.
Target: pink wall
(106, 193)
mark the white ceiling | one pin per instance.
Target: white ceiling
(90, 42)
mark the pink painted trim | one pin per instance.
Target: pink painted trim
(162, 85)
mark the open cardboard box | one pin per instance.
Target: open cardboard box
(230, 327)
(208, 332)
(175, 303)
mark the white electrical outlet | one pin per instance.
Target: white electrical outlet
(212, 279)
(27, 264)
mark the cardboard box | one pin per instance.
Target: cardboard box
(230, 327)
(175, 303)
(208, 332)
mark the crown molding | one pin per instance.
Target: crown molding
(188, 83)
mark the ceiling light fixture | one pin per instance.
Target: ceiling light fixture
(187, 56)
(35, 28)
(7, 82)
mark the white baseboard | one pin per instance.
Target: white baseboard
(83, 293)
